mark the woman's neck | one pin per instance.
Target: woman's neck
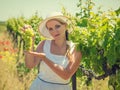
(60, 43)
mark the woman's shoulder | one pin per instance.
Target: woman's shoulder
(40, 45)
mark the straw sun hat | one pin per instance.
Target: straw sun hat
(55, 15)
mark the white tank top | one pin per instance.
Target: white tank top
(45, 72)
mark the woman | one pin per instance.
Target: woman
(58, 58)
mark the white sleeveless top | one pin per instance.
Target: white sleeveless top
(45, 72)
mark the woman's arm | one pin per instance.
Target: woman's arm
(65, 73)
(71, 68)
(31, 60)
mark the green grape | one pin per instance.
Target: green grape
(29, 32)
(28, 39)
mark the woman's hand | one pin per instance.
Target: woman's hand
(36, 54)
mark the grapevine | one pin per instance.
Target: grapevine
(96, 36)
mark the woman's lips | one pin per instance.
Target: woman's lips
(57, 35)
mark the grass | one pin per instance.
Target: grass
(10, 77)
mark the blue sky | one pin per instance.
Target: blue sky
(16, 8)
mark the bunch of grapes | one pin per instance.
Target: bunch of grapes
(28, 36)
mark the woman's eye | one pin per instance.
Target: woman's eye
(57, 26)
(50, 29)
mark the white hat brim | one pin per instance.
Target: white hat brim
(43, 29)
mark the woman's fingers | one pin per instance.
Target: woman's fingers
(33, 53)
(41, 55)
(36, 54)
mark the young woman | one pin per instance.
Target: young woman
(57, 56)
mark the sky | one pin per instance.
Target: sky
(27, 8)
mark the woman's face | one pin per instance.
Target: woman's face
(56, 28)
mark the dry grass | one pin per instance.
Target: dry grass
(9, 79)
(96, 85)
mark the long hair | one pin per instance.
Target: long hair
(66, 35)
